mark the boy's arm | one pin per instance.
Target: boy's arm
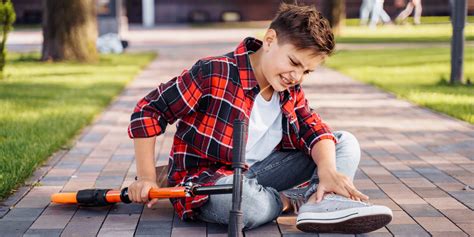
(330, 180)
(318, 141)
(145, 158)
(146, 174)
(164, 105)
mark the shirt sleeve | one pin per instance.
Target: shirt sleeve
(312, 128)
(167, 103)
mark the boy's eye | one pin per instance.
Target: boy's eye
(293, 62)
(306, 72)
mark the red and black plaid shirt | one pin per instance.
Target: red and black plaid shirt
(206, 100)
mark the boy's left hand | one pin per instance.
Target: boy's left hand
(336, 182)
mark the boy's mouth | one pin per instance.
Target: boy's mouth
(285, 81)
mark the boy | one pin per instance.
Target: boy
(288, 143)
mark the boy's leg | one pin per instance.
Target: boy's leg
(279, 171)
(259, 204)
(284, 170)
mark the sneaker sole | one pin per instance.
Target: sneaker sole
(349, 221)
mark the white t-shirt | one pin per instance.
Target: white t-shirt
(264, 131)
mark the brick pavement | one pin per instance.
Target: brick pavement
(415, 161)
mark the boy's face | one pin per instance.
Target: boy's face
(283, 64)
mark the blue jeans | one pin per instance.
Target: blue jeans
(280, 171)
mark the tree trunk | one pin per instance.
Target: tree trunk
(69, 30)
(337, 15)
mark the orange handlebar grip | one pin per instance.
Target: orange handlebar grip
(174, 192)
(64, 198)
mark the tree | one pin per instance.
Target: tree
(69, 30)
(7, 17)
(336, 14)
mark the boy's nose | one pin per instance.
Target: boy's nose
(295, 77)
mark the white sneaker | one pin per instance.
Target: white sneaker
(337, 214)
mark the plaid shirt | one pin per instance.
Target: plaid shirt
(205, 100)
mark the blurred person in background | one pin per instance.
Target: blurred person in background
(411, 5)
(365, 10)
(378, 13)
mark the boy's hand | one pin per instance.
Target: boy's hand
(138, 192)
(336, 182)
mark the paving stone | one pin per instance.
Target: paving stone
(23, 214)
(92, 137)
(68, 164)
(269, 229)
(162, 228)
(122, 208)
(447, 233)
(445, 203)
(435, 224)
(86, 221)
(430, 192)
(407, 230)
(468, 228)
(435, 175)
(3, 211)
(43, 232)
(115, 233)
(417, 182)
(51, 222)
(288, 228)
(374, 193)
(457, 216)
(178, 223)
(157, 214)
(368, 162)
(116, 157)
(405, 174)
(14, 228)
(465, 197)
(120, 222)
(90, 168)
(188, 231)
(334, 235)
(216, 230)
(31, 201)
(375, 234)
(386, 202)
(421, 210)
(60, 209)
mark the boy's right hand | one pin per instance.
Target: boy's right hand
(138, 192)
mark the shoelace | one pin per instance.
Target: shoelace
(296, 197)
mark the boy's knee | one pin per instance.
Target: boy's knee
(258, 211)
(350, 144)
(259, 204)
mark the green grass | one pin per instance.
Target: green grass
(44, 105)
(440, 32)
(424, 20)
(419, 75)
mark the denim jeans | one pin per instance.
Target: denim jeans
(280, 171)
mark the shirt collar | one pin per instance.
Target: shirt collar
(248, 46)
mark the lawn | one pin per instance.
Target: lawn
(419, 75)
(44, 105)
(432, 29)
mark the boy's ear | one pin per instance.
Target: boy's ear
(269, 38)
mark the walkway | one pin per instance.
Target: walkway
(417, 162)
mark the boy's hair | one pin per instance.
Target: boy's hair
(304, 27)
